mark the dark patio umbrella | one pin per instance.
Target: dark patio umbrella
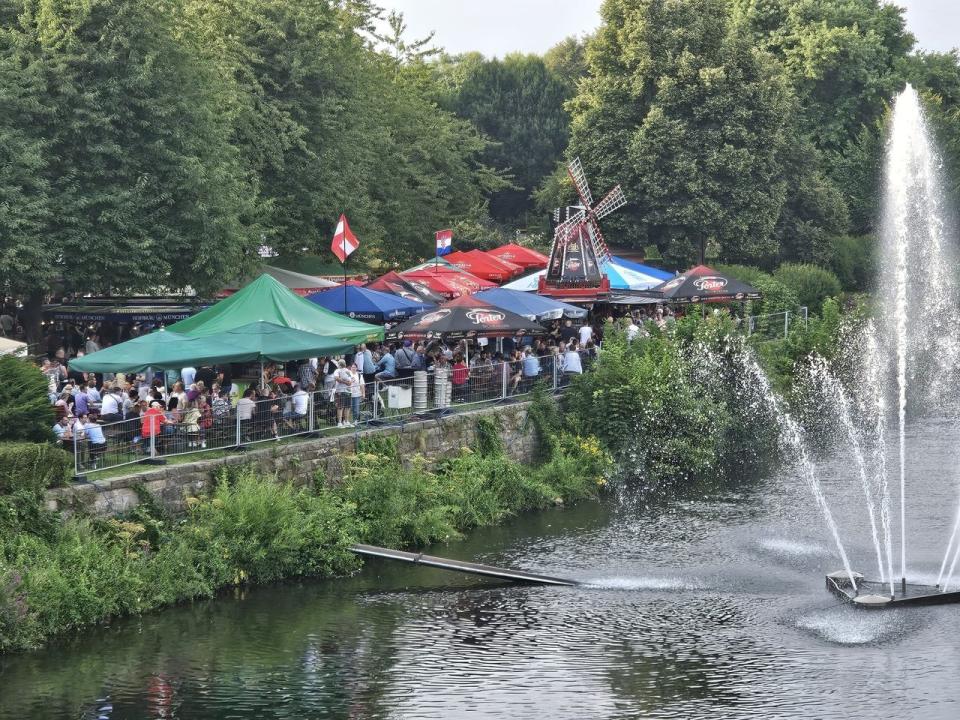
(702, 284)
(465, 317)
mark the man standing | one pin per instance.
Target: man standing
(188, 375)
(586, 333)
(404, 360)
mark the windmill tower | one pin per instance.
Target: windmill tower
(579, 251)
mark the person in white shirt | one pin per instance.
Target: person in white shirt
(571, 361)
(357, 391)
(110, 409)
(632, 330)
(301, 401)
(188, 375)
(343, 380)
(586, 333)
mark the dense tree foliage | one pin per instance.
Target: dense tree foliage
(152, 144)
(519, 103)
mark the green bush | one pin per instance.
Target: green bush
(811, 283)
(853, 260)
(777, 297)
(25, 410)
(267, 530)
(32, 466)
(82, 572)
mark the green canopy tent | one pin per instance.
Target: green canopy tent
(267, 300)
(160, 350)
(269, 341)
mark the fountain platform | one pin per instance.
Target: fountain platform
(875, 595)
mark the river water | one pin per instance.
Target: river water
(703, 606)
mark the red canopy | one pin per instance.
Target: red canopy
(449, 281)
(484, 265)
(395, 283)
(524, 257)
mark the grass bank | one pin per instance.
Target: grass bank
(60, 575)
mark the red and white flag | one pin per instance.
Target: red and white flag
(344, 241)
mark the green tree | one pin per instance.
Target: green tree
(121, 152)
(519, 103)
(691, 119)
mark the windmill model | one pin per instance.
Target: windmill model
(579, 251)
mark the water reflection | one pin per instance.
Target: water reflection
(706, 606)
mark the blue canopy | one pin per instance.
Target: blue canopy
(623, 275)
(628, 275)
(362, 303)
(530, 305)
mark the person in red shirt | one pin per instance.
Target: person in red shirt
(460, 377)
(151, 420)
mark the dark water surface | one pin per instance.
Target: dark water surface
(706, 607)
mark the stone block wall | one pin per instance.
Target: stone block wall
(299, 462)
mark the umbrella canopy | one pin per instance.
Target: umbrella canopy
(627, 275)
(297, 282)
(362, 303)
(488, 267)
(466, 317)
(532, 306)
(524, 257)
(265, 299)
(161, 349)
(413, 290)
(623, 274)
(449, 281)
(703, 284)
(12, 347)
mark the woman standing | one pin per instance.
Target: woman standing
(343, 379)
(357, 391)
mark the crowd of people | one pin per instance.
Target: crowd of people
(194, 408)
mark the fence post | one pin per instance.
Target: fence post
(239, 439)
(503, 375)
(376, 399)
(76, 451)
(786, 324)
(554, 366)
(153, 443)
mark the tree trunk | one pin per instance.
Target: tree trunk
(30, 317)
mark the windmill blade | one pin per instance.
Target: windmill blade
(614, 199)
(600, 248)
(575, 170)
(563, 229)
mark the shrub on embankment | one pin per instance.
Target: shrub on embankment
(59, 575)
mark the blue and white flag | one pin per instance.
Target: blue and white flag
(444, 241)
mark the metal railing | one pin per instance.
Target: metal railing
(152, 437)
(775, 324)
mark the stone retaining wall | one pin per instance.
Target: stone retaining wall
(299, 462)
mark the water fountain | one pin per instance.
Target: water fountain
(912, 349)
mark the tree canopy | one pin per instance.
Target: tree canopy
(150, 144)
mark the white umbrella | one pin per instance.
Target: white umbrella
(12, 347)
